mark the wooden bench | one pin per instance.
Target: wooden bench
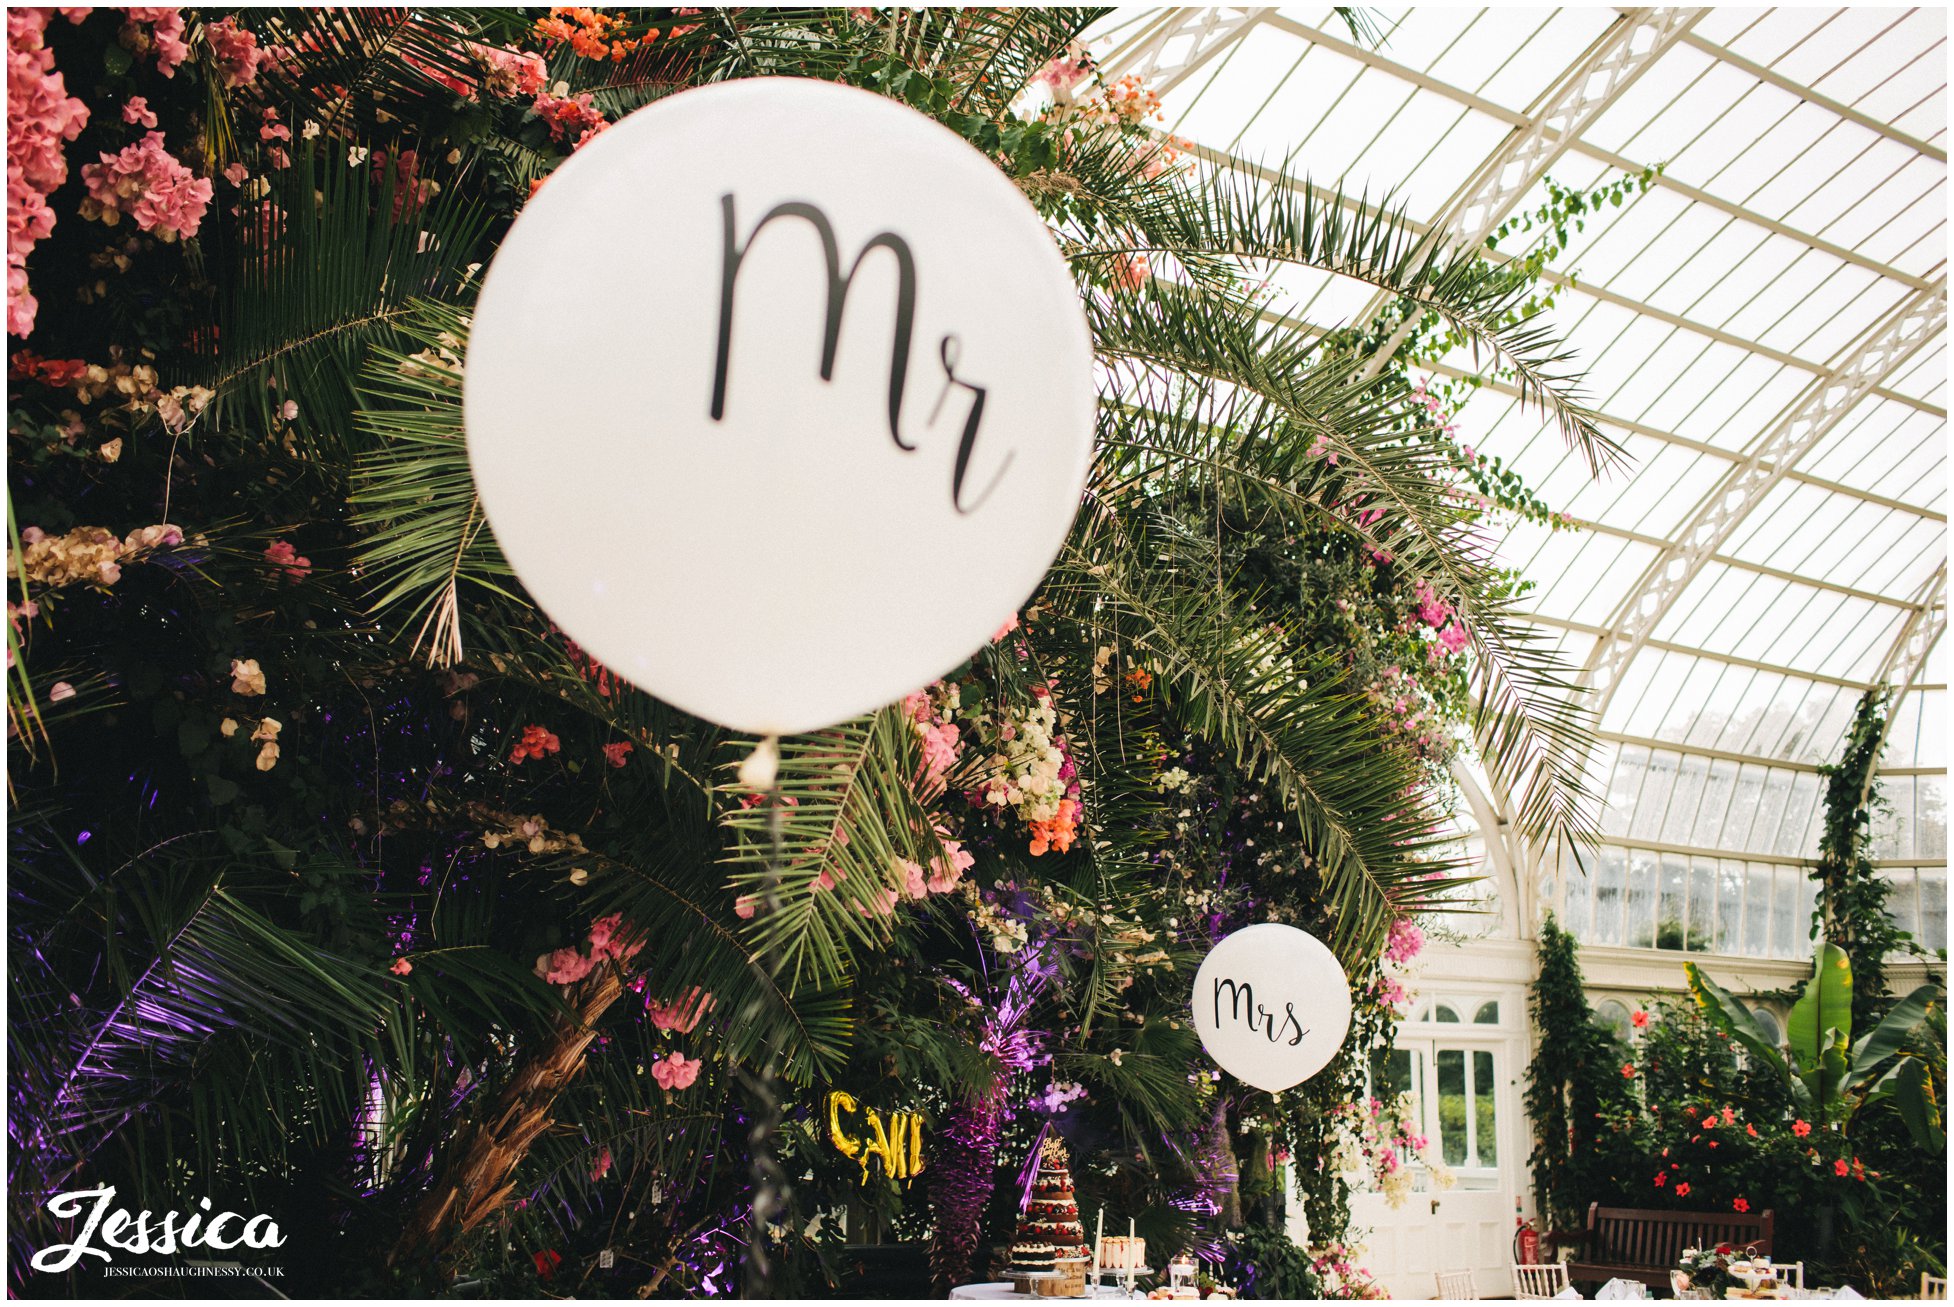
(1629, 1243)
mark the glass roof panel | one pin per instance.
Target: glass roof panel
(1802, 201)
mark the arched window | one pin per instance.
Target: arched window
(1488, 1013)
(1446, 1012)
(1767, 1021)
(1612, 1015)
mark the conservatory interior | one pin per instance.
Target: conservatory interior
(1762, 327)
(1574, 684)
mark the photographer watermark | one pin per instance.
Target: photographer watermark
(139, 1234)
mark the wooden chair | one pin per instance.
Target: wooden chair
(1456, 1286)
(1539, 1281)
(1791, 1274)
(1933, 1286)
(1628, 1243)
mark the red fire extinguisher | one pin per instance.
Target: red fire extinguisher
(1526, 1239)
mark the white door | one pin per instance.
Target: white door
(1461, 1063)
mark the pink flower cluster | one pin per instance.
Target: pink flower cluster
(1066, 71)
(1437, 614)
(940, 738)
(41, 118)
(239, 57)
(511, 72)
(281, 554)
(609, 939)
(942, 877)
(409, 187)
(681, 1014)
(165, 36)
(676, 1071)
(912, 881)
(1430, 402)
(571, 119)
(1406, 941)
(145, 182)
(1412, 715)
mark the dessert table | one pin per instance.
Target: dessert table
(1004, 1290)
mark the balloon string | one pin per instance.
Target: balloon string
(761, 771)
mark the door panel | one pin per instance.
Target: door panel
(1465, 1102)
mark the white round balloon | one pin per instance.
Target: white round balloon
(779, 399)
(1272, 1005)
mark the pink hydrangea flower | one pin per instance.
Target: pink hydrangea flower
(512, 72)
(676, 1071)
(947, 872)
(165, 35)
(611, 938)
(914, 884)
(281, 554)
(41, 118)
(681, 1014)
(239, 58)
(564, 966)
(1406, 940)
(569, 119)
(138, 113)
(745, 905)
(145, 182)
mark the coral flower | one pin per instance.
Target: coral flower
(1638, 1018)
(676, 1071)
(1682, 1189)
(1801, 1128)
(1628, 1071)
(535, 743)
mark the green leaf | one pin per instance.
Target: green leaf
(1823, 1013)
(1891, 1034)
(1730, 1015)
(1913, 1095)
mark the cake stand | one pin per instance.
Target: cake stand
(1023, 1279)
(1126, 1277)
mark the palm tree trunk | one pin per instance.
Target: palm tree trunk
(477, 1177)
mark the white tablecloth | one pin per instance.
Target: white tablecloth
(1004, 1290)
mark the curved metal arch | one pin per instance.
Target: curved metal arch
(1816, 412)
(1172, 47)
(1908, 657)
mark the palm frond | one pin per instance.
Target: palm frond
(325, 268)
(194, 970)
(1290, 720)
(1260, 407)
(355, 65)
(1266, 223)
(819, 857)
(429, 550)
(991, 54)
